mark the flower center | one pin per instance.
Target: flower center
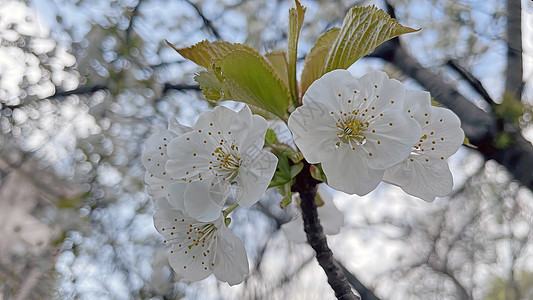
(227, 162)
(351, 129)
(198, 235)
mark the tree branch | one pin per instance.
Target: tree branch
(365, 293)
(514, 83)
(83, 90)
(181, 87)
(306, 186)
(472, 80)
(207, 23)
(480, 127)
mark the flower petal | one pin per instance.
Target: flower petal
(417, 105)
(225, 123)
(314, 131)
(198, 201)
(188, 155)
(429, 180)
(381, 93)
(330, 216)
(390, 139)
(444, 133)
(157, 187)
(176, 127)
(255, 139)
(155, 155)
(348, 171)
(254, 178)
(231, 261)
(399, 174)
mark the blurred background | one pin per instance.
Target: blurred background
(83, 83)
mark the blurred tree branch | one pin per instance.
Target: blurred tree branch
(207, 23)
(514, 83)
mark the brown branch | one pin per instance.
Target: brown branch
(181, 87)
(514, 83)
(472, 80)
(306, 186)
(365, 293)
(207, 23)
(83, 90)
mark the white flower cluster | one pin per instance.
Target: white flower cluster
(371, 129)
(362, 131)
(191, 172)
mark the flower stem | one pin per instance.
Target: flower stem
(228, 210)
(306, 186)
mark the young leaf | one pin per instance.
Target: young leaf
(363, 29)
(249, 78)
(296, 20)
(270, 137)
(210, 84)
(278, 60)
(316, 59)
(205, 51)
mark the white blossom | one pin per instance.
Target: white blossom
(224, 148)
(154, 159)
(355, 127)
(199, 249)
(331, 218)
(425, 173)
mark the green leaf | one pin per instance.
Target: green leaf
(249, 78)
(295, 169)
(210, 84)
(296, 20)
(205, 51)
(270, 137)
(278, 60)
(316, 59)
(317, 173)
(363, 29)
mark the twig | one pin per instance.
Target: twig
(84, 90)
(306, 186)
(365, 293)
(181, 87)
(472, 80)
(207, 23)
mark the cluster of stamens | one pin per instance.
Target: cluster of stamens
(198, 235)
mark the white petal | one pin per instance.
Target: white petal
(225, 124)
(326, 90)
(390, 144)
(381, 93)
(188, 155)
(176, 127)
(444, 133)
(254, 178)
(348, 171)
(330, 216)
(314, 130)
(198, 201)
(157, 187)
(176, 195)
(417, 105)
(255, 139)
(294, 230)
(187, 266)
(155, 156)
(231, 262)
(399, 174)
(429, 180)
